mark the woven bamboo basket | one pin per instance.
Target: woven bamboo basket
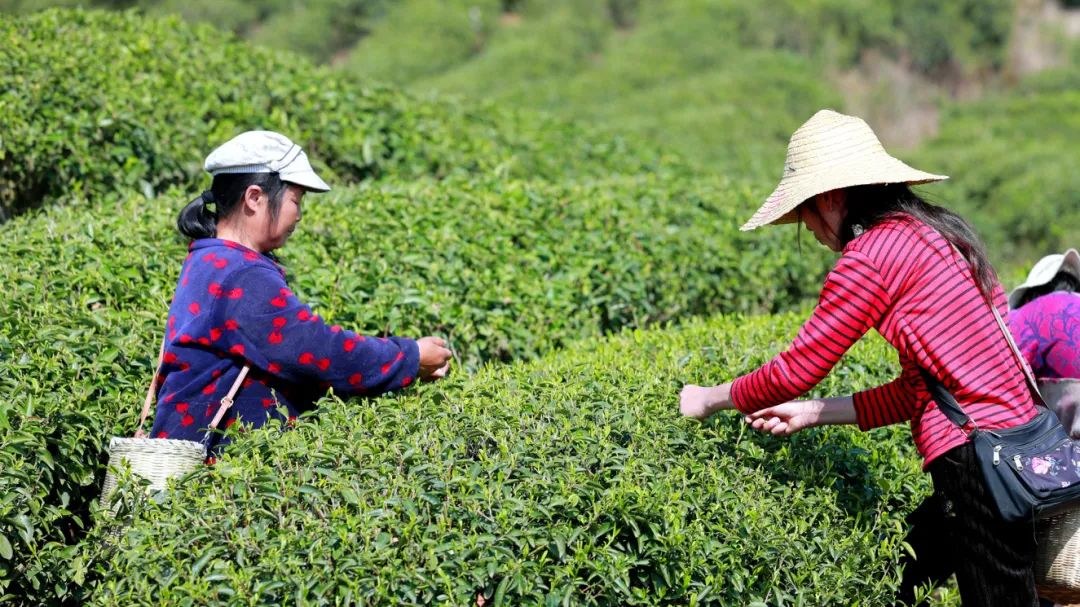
(1057, 558)
(154, 459)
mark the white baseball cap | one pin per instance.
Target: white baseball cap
(1044, 271)
(265, 152)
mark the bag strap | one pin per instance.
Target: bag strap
(947, 403)
(151, 393)
(945, 400)
(1024, 366)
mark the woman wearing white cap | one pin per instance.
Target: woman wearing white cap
(1045, 321)
(236, 334)
(918, 275)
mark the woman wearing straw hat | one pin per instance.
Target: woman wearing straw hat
(917, 274)
(1045, 321)
(233, 312)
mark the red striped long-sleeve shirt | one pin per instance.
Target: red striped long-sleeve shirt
(906, 281)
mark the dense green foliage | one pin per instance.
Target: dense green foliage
(317, 29)
(567, 481)
(172, 93)
(504, 269)
(1013, 161)
(566, 476)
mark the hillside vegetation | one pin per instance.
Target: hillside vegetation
(173, 92)
(1012, 158)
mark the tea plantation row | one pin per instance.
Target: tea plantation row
(172, 92)
(570, 480)
(505, 269)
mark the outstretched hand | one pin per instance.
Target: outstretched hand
(788, 418)
(434, 358)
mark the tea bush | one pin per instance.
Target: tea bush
(173, 92)
(505, 269)
(570, 480)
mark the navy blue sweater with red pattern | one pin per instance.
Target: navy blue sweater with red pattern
(233, 307)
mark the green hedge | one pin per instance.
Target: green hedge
(172, 92)
(567, 481)
(504, 269)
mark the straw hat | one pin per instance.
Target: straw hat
(828, 152)
(1044, 271)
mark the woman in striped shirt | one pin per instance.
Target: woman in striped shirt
(918, 275)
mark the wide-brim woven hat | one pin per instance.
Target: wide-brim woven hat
(1044, 271)
(828, 152)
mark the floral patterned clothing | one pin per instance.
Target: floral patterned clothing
(1047, 331)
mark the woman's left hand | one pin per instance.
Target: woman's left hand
(790, 417)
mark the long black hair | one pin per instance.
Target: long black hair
(1062, 281)
(868, 205)
(198, 220)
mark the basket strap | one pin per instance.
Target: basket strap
(227, 401)
(151, 392)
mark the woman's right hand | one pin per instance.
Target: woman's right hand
(434, 358)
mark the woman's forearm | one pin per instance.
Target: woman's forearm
(720, 398)
(836, 411)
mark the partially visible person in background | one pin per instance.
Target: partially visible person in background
(1045, 322)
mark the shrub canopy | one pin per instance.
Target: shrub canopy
(505, 269)
(567, 480)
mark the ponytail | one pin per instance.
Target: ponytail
(197, 220)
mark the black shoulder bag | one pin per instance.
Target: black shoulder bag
(1031, 470)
